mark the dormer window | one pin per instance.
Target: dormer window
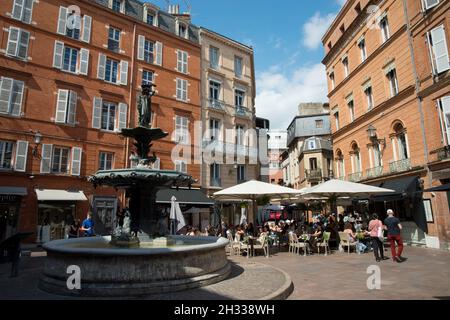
(150, 18)
(182, 30)
(117, 5)
(150, 15)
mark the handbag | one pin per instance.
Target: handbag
(380, 234)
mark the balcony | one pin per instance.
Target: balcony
(313, 175)
(374, 172)
(355, 177)
(443, 153)
(216, 104)
(400, 166)
(216, 182)
(241, 111)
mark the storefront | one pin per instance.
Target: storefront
(56, 212)
(10, 203)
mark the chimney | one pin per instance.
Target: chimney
(175, 11)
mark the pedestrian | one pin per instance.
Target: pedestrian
(393, 226)
(74, 229)
(88, 226)
(375, 227)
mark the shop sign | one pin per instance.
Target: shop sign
(9, 198)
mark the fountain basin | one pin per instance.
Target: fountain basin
(108, 271)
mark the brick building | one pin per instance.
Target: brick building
(387, 65)
(70, 76)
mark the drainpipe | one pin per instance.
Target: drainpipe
(417, 89)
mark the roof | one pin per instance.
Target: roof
(319, 144)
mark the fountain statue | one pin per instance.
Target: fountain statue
(139, 258)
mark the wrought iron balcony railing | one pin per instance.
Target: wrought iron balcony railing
(313, 175)
(355, 177)
(374, 172)
(400, 166)
(241, 111)
(216, 104)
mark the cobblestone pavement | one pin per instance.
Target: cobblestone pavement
(425, 275)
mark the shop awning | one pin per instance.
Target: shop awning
(406, 186)
(13, 191)
(443, 188)
(184, 196)
(59, 195)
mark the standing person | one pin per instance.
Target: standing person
(74, 229)
(88, 226)
(374, 225)
(393, 226)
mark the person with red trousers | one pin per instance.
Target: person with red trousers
(394, 228)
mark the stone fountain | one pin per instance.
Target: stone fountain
(139, 258)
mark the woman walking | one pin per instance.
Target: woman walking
(375, 225)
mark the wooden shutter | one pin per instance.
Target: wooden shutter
(141, 45)
(101, 66)
(440, 49)
(87, 26)
(97, 113)
(18, 9)
(123, 112)
(445, 103)
(5, 94)
(61, 106)
(58, 54)
(72, 107)
(13, 41)
(124, 72)
(27, 11)
(23, 44)
(84, 61)
(46, 158)
(179, 61)
(76, 161)
(159, 53)
(17, 97)
(62, 21)
(185, 89)
(21, 156)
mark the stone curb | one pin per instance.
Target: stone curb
(286, 289)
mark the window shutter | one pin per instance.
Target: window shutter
(5, 94)
(141, 44)
(17, 9)
(101, 66)
(21, 156)
(159, 53)
(61, 106)
(76, 161)
(179, 94)
(87, 25)
(185, 62)
(13, 41)
(46, 159)
(445, 102)
(17, 97)
(185, 83)
(72, 107)
(97, 113)
(123, 111)
(58, 54)
(23, 44)
(440, 49)
(27, 11)
(124, 72)
(62, 20)
(179, 61)
(84, 61)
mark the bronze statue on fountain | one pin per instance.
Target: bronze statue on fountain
(142, 182)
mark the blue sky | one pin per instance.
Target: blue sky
(285, 35)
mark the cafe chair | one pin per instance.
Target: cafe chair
(324, 243)
(345, 241)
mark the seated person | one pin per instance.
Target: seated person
(360, 247)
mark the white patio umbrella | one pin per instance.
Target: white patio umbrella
(176, 216)
(253, 189)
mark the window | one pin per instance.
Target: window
(362, 49)
(114, 39)
(70, 59)
(214, 57)
(393, 83)
(239, 98)
(356, 156)
(345, 65)
(312, 163)
(384, 27)
(66, 107)
(105, 161)
(6, 149)
(319, 124)
(340, 164)
(240, 135)
(149, 51)
(333, 82)
(214, 90)
(22, 10)
(342, 28)
(181, 130)
(358, 8)
(11, 96)
(377, 160)
(180, 166)
(151, 20)
(329, 45)
(241, 173)
(311, 145)
(215, 175)
(60, 160)
(182, 90)
(182, 61)
(428, 4)
(108, 116)
(147, 77)
(444, 115)
(438, 50)
(214, 127)
(238, 67)
(116, 5)
(351, 110)
(111, 70)
(402, 145)
(182, 30)
(71, 24)
(369, 97)
(18, 43)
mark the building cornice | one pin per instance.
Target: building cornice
(443, 82)
(227, 41)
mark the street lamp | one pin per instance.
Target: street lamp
(372, 134)
(37, 142)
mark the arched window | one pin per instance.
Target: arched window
(401, 141)
(340, 166)
(356, 158)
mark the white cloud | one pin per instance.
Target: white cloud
(315, 28)
(278, 95)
